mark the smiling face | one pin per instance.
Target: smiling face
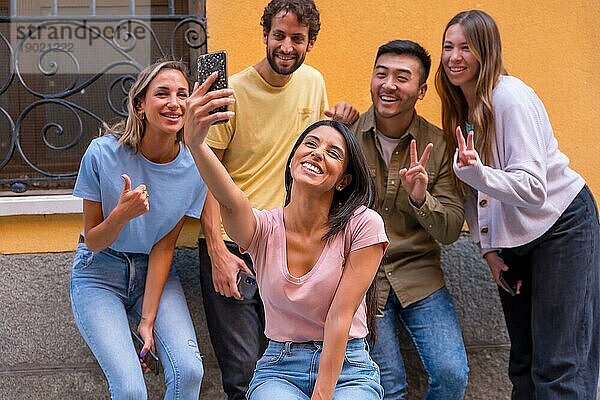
(396, 85)
(164, 102)
(459, 62)
(287, 43)
(320, 160)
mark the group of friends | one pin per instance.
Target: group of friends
(340, 217)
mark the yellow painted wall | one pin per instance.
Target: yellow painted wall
(552, 45)
(59, 233)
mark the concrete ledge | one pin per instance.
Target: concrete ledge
(38, 205)
(478, 307)
(42, 355)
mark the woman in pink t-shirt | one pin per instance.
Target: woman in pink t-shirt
(315, 258)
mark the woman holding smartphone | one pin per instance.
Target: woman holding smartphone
(315, 258)
(534, 218)
(138, 183)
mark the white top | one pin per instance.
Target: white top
(387, 145)
(529, 184)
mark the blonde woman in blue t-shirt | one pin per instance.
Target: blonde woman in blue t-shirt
(138, 182)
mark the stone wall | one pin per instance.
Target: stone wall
(42, 355)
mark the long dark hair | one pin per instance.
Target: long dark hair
(360, 192)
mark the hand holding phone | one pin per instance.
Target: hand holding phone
(150, 359)
(246, 284)
(505, 285)
(214, 62)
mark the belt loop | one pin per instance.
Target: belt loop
(288, 348)
(367, 347)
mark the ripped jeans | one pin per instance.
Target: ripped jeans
(107, 288)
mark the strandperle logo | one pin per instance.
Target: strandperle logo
(91, 43)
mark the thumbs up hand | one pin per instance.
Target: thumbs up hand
(133, 203)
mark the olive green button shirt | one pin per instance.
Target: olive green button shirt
(411, 265)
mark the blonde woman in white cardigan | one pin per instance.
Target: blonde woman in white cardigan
(534, 218)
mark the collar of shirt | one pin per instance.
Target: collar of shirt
(370, 126)
(411, 266)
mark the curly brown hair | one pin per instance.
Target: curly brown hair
(305, 10)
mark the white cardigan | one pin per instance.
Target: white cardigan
(529, 184)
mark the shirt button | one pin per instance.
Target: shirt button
(389, 273)
(387, 209)
(483, 203)
(396, 152)
(484, 230)
(393, 182)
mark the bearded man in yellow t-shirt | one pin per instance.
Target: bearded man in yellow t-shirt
(275, 100)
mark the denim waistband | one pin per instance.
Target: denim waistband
(353, 344)
(122, 254)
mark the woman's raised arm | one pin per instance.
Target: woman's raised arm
(236, 211)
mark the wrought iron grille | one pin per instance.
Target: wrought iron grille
(60, 77)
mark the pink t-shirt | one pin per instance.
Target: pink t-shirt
(296, 308)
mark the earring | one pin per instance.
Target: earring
(339, 188)
(142, 116)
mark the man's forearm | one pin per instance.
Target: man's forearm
(211, 225)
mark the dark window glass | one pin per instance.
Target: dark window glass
(67, 73)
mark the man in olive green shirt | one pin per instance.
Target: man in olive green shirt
(420, 205)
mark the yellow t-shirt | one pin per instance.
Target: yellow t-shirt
(268, 120)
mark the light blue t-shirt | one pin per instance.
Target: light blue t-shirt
(175, 189)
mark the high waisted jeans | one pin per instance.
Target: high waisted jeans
(288, 371)
(554, 324)
(106, 288)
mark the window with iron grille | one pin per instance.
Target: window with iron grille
(66, 66)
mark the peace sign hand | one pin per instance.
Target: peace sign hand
(467, 155)
(414, 178)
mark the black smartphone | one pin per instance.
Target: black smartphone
(214, 62)
(246, 284)
(507, 287)
(150, 359)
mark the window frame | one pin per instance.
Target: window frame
(52, 201)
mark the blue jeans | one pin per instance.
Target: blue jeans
(554, 324)
(288, 371)
(432, 325)
(106, 288)
(235, 326)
